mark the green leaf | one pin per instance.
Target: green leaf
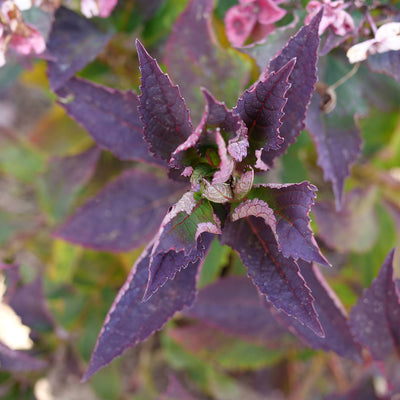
(378, 129)
(242, 355)
(217, 259)
(65, 259)
(369, 263)
(22, 162)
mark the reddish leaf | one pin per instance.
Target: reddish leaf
(194, 58)
(291, 204)
(109, 115)
(124, 215)
(64, 177)
(130, 320)
(331, 315)
(260, 107)
(374, 320)
(233, 305)
(74, 42)
(277, 277)
(18, 361)
(163, 111)
(386, 63)
(338, 142)
(303, 46)
(180, 239)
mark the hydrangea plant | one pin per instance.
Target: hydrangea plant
(267, 224)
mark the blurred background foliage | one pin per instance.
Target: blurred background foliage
(78, 284)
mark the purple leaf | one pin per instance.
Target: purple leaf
(130, 320)
(74, 42)
(266, 50)
(374, 320)
(230, 124)
(163, 111)
(179, 240)
(64, 177)
(260, 107)
(18, 361)
(109, 115)
(277, 277)
(354, 227)
(386, 63)
(338, 143)
(291, 204)
(34, 314)
(233, 305)
(195, 59)
(303, 46)
(331, 315)
(216, 117)
(124, 214)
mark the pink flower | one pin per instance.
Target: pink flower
(387, 38)
(97, 8)
(15, 34)
(334, 16)
(251, 18)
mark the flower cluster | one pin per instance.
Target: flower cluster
(335, 16)
(387, 38)
(16, 34)
(97, 8)
(252, 19)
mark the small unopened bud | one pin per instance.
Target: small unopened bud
(218, 193)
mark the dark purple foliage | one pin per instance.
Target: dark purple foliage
(130, 320)
(386, 63)
(110, 116)
(180, 240)
(65, 176)
(127, 212)
(74, 42)
(338, 143)
(34, 314)
(215, 115)
(233, 305)
(303, 47)
(194, 58)
(291, 204)
(162, 108)
(124, 214)
(265, 51)
(277, 277)
(374, 320)
(18, 361)
(261, 107)
(331, 315)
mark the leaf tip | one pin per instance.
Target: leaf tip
(142, 52)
